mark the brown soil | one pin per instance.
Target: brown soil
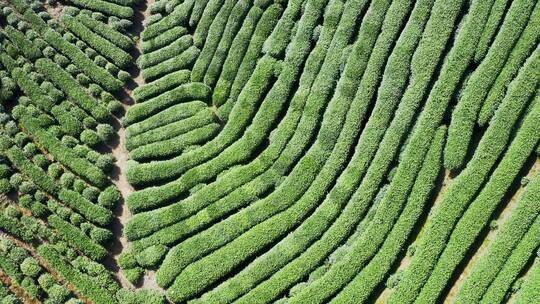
(118, 149)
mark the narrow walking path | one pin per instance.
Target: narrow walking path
(120, 153)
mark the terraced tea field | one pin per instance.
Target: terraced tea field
(269, 151)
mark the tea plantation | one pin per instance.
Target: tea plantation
(269, 151)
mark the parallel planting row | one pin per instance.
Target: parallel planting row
(290, 151)
(301, 151)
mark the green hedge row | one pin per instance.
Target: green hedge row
(197, 12)
(153, 58)
(443, 15)
(117, 55)
(179, 16)
(369, 142)
(277, 42)
(106, 32)
(244, 110)
(140, 225)
(253, 136)
(205, 22)
(163, 39)
(77, 238)
(235, 23)
(31, 89)
(522, 50)
(183, 93)
(25, 46)
(466, 111)
(216, 33)
(14, 227)
(90, 69)
(124, 2)
(171, 131)
(480, 210)
(514, 266)
(160, 86)
(230, 90)
(496, 16)
(378, 268)
(181, 61)
(530, 291)
(70, 125)
(316, 170)
(328, 210)
(165, 117)
(92, 212)
(105, 7)
(33, 172)
(10, 267)
(9, 63)
(73, 89)
(35, 20)
(465, 186)
(174, 146)
(63, 154)
(237, 53)
(508, 237)
(84, 284)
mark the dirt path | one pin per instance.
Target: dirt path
(15, 289)
(120, 153)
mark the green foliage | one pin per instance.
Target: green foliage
(82, 282)
(463, 189)
(175, 145)
(106, 7)
(508, 238)
(215, 35)
(181, 61)
(172, 114)
(91, 138)
(183, 93)
(164, 39)
(168, 132)
(72, 89)
(106, 32)
(30, 287)
(127, 260)
(109, 197)
(30, 267)
(153, 58)
(152, 255)
(63, 155)
(76, 238)
(241, 62)
(522, 50)
(108, 49)
(279, 151)
(27, 48)
(97, 74)
(179, 16)
(466, 111)
(33, 172)
(101, 235)
(141, 296)
(92, 212)
(58, 293)
(46, 281)
(10, 299)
